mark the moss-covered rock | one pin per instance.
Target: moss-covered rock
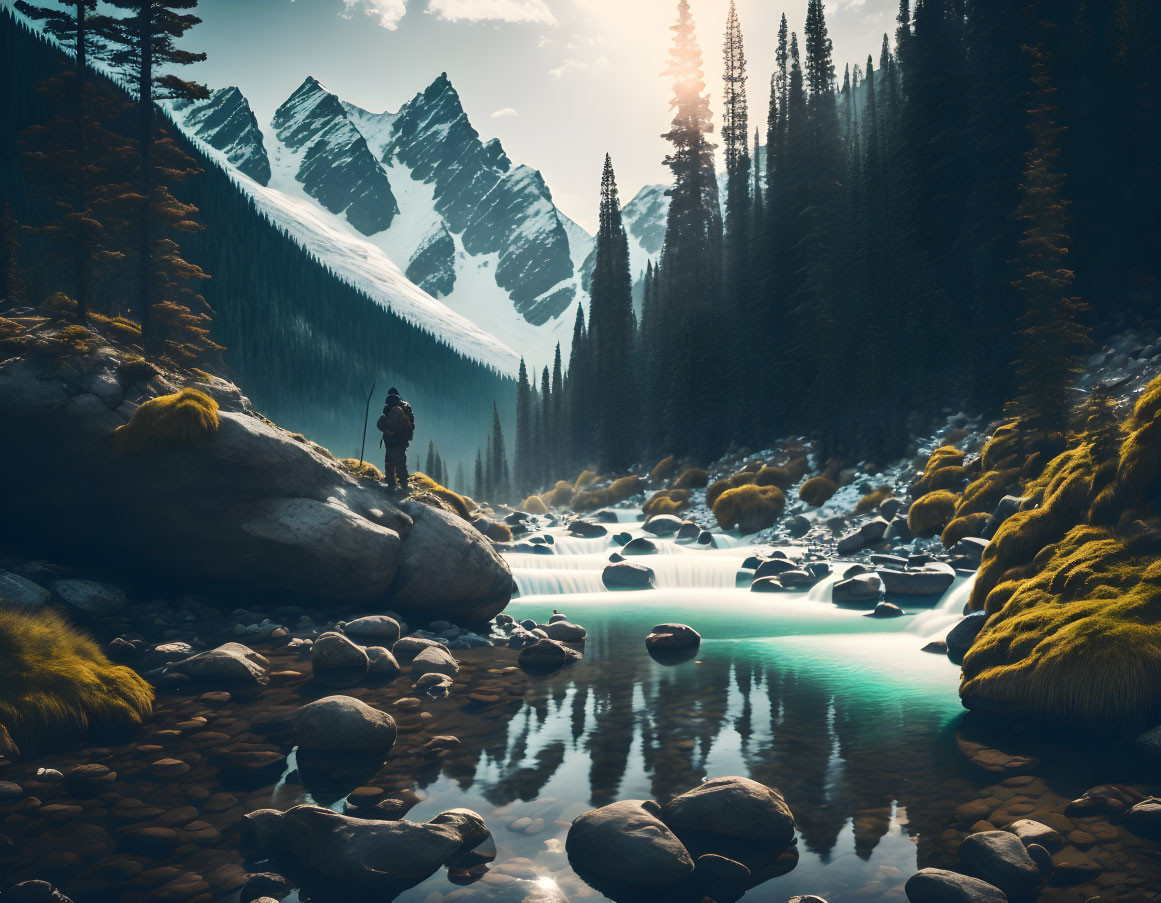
(965, 525)
(873, 500)
(183, 418)
(749, 507)
(364, 469)
(817, 490)
(663, 469)
(584, 479)
(625, 487)
(931, 513)
(666, 501)
(534, 504)
(692, 478)
(56, 684)
(560, 496)
(421, 483)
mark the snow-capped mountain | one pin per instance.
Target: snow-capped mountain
(416, 209)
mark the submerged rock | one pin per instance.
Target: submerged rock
(344, 724)
(1031, 832)
(434, 660)
(941, 886)
(333, 652)
(546, 655)
(639, 546)
(565, 631)
(230, 663)
(623, 845)
(1002, 860)
(668, 638)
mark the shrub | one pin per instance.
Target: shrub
(750, 508)
(782, 476)
(967, 525)
(76, 340)
(625, 487)
(534, 504)
(817, 491)
(560, 496)
(184, 418)
(931, 513)
(366, 470)
(586, 478)
(693, 478)
(421, 483)
(591, 500)
(873, 500)
(664, 469)
(56, 684)
(61, 303)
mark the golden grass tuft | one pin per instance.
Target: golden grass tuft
(931, 513)
(366, 470)
(749, 507)
(118, 328)
(1002, 450)
(667, 501)
(693, 478)
(56, 684)
(76, 340)
(60, 303)
(663, 469)
(961, 526)
(591, 500)
(1078, 642)
(534, 504)
(495, 530)
(421, 483)
(983, 494)
(873, 500)
(782, 476)
(586, 478)
(817, 490)
(626, 487)
(560, 496)
(184, 418)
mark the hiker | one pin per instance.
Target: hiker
(397, 424)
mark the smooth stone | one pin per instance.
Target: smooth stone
(773, 567)
(546, 655)
(406, 648)
(90, 597)
(926, 582)
(230, 663)
(1031, 832)
(334, 652)
(20, 592)
(734, 807)
(381, 662)
(798, 526)
(672, 638)
(434, 660)
(380, 627)
(887, 610)
(662, 525)
(942, 886)
(767, 585)
(565, 632)
(1145, 817)
(714, 871)
(639, 546)
(624, 844)
(586, 530)
(861, 588)
(1001, 859)
(960, 638)
(626, 575)
(344, 724)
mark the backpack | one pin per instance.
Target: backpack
(404, 430)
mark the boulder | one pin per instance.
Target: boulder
(639, 546)
(1145, 818)
(898, 530)
(379, 627)
(734, 807)
(20, 592)
(970, 550)
(406, 648)
(623, 845)
(334, 652)
(797, 578)
(1150, 741)
(689, 532)
(666, 638)
(546, 655)
(890, 507)
(1031, 832)
(230, 663)
(90, 598)
(886, 610)
(663, 525)
(715, 873)
(565, 632)
(774, 567)
(941, 886)
(382, 663)
(932, 580)
(447, 569)
(1006, 507)
(798, 526)
(342, 724)
(861, 589)
(767, 585)
(434, 660)
(626, 575)
(962, 635)
(1001, 859)
(586, 530)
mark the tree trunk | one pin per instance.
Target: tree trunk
(145, 141)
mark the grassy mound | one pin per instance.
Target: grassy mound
(716, 488)
(56, 684)
(366, 470)
(184, 418)
(693, 478)
(421, 483)
(782, 476)
(750, 508)
(667, 501)
(965, 525)
(591, 500)
(664, 469)
(560, 496)
(817, 490)
(985, 492)
(931, 513)
(534, 504)
(1002, 450)
(586, 478)
(873, 500)
(624, 488)
(944, 470)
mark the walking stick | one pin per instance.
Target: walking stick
(366, 417)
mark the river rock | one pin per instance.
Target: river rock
(624, 845)
(35, 891)
(1001, 859)
(434, 685)
(962, 635)
(774, 567)
(859, 589)
(890, 507)
(379, 627)
(434, 660)
(798, 578)
(669, 638)
(898, 529)
(90, 598)
(798, 526)
(1031, 832)
(734, 807)
(385, 856)
(688, 532)
(941, 886)
(932, 580)
(20, 592)
(344, 724)
(767, 585)
(230, 663)
(265, 884)
(1006, 507)
(382, 663)
(970, 550)
(639, 546)
(546, 655)
(626, 575)
(586, 530)
(717, 873)
(406, 648)
(662, 525)
(333, 652)
(1145, 817)
(565, 632)
(887, 610)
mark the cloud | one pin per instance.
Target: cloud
(506, 113)
(388, 12)
(491, 11)
(572, 65)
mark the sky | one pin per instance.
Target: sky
(559, 82)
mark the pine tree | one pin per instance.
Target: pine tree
(524, 431)
(558, 429)
(481, 478)
(501, 479)
(429, 467)
(611, 331)
(461, 484)
(13, 291)
(1052, 331)
(544, 438)
(580, 405)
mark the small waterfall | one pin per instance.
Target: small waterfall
(693, 571)
(935, 624)
(545, 582)
(820, 592)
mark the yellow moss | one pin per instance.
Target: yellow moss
(984, 493)
(117, 328)
(750, 508)
(664, 505)
(1147, 408)
(782, 476)
(693, 478)
(625, 487)
(1080, 641)
(366, 470)
(966, 525)
(56, 684)
(952, 477)
(560, 496)
(817, 490)
(931, 513)
(495, 530)
(944, 456)
(326, 453)
(184, 418)
(534, 504)
(1001, 451)
(664, 469)
(76, 339)
(586, 478)
(591, 500)
(873, 500)
(421, 483)
(61, 303)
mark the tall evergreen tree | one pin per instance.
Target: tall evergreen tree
(12, 286)
(501, 478)
(524, 431)
(481, 477)
(579, 405)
